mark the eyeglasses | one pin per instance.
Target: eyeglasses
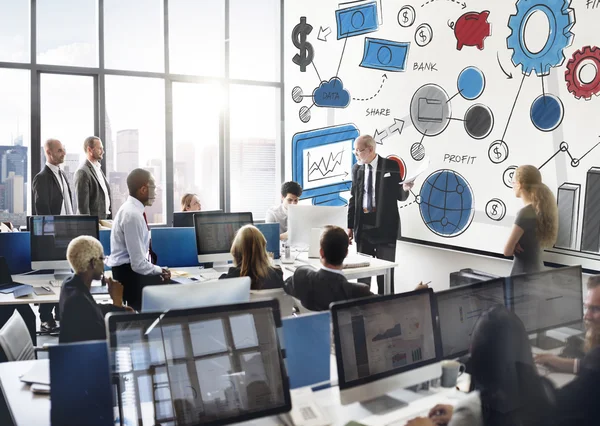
(592, 309)
(358, 151)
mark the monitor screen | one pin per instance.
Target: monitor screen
(381, 336)
(548, 299)
(51, 235)
(460, 308)
(186, 219)
(213, 365)
(215, 231)
(329, 164)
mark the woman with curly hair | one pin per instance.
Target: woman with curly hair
(536, 225)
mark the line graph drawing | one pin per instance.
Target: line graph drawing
(325, 167)
(564, 147)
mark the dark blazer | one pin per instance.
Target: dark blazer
(577, 401)
(388, 192)
(273, 280)
(47, 193)
(81, 318)
(90, 196)
(317, 289)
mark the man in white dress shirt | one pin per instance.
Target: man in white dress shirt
(131, 257)
(51, 196)
(91, 186)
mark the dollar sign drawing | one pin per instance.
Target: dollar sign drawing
(511, 174)
(405, 16)
(495, 210)
(498, 153)
(423, 36)
(299, 39)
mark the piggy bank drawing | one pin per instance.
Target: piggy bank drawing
(471, 29)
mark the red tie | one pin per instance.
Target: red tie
(153, 257)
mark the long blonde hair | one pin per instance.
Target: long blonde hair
(542, 201)
(249, 251)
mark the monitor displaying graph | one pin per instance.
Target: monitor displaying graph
(327, 165)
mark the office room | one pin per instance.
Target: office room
(404, 231)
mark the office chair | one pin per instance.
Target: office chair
(15, 340)
(286, 302)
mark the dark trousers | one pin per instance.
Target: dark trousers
(46, 311)
(133, 284)
(384, 251)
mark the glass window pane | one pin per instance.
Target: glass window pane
(14, 30)
(67, 38)
(135, 137)
(197, 37)
(254, 148)
(254, 37)
(134, 35)
(196, 153)
(67, 114)
(14, 145)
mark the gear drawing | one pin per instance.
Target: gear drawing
(582, 57)
(561, 19)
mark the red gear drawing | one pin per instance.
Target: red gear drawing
(574, 84)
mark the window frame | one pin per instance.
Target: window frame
(99, 74)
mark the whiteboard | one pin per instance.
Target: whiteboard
(477, 87)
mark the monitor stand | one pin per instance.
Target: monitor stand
(62, 274)
(221, 266)
(383, 404)
(545, 342)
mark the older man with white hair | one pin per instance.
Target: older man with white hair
(81, 317)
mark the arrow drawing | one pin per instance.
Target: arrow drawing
(323, 33)
(379, 136)
(462, 4)
(508, 75)
(383, 79)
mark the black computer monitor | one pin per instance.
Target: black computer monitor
(549, 299)
(459, 308)
(51, 235)
(186, 219)
(385, 343)
(204, 366)
(215, 232)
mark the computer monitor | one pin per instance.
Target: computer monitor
(302, 219)
(385, 343)
(51, 235)
(210, 366)
(548, 299)
(186, 219)
(322, 161)
(159, 298)
(459, 308)
(215, 232)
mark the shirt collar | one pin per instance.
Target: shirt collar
(137, 203)
(52, 167)
(373, 163)
(95, 164)
(335, 271)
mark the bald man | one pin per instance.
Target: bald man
(52, 197)
(373, 219)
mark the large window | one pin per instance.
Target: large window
(190, 90)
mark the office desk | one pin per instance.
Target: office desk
(24, 407)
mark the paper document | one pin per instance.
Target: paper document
(424, 166)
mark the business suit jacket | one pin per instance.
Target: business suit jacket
(388, 192)
(81, 318)
(90, 196)
(317, 289)
(273, 280)
(47, 193)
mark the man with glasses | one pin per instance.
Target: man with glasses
(82, 319)
(132, 259)
(373, 219)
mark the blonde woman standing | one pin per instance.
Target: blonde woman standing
(536, 225)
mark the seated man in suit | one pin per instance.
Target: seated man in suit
(316, 289)
(82, 318)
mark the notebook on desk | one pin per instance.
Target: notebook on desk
(356, 261)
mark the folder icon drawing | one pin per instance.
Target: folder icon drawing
(430, 110)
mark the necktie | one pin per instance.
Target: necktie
(65, 191)
(370, 189)
(153, 257)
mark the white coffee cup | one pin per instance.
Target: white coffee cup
(451, 371)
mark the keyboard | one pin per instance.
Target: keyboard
(56, 283)
(417, 408)
(356, 265)
(211, 275)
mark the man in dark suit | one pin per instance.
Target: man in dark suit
(51, 196)
(91, 186)
(373, 219)
(317, 289)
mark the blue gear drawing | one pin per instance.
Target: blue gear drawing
(561, 19)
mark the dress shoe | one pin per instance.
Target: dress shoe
(50, 326)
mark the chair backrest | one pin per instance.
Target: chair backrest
(15, 340)
(286, 302)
